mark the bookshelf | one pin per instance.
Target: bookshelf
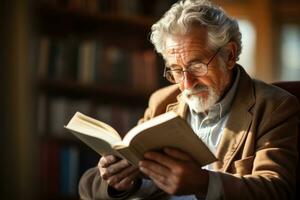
(93, 56)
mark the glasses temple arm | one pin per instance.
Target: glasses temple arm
(214, 56)
(165, 72)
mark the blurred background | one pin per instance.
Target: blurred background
(94, 56)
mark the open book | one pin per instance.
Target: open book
(166, 130)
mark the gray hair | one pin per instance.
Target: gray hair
(187, 13)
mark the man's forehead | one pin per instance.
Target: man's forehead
(182, 44)
(184, 49)
(187, 50)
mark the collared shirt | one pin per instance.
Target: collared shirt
(209, 127)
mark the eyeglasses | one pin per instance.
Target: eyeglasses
(196, 69)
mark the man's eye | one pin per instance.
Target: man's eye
(176, 71)
(175, 68)
(197, 66)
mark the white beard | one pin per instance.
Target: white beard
(197, 103)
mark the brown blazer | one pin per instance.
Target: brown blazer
(257, 154)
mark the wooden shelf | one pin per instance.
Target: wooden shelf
(93, 91)
(59, 21)
(68, 139)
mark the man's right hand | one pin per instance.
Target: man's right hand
(118, 173)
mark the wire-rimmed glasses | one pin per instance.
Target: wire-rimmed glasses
(197, 69)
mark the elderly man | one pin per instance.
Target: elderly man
(249, 125)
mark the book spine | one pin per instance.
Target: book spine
(49, 167)
(43, 57)
(73, 171)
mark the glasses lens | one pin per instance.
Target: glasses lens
(177, 74)
(198, 69)
(174, 76)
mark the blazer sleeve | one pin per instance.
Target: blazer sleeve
(91, 187)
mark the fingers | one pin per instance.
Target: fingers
(155, 171)
(174, 171)
(127, 182)
(157, 166)
(117, 177)
(177, 154)
(150, 168)
(160, 158)
(169, 159)
(123, 180)
(117, 173)
(105, 161)
(113, 168)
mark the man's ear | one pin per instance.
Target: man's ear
(230, 58)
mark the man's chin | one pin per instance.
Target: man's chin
(195, 103)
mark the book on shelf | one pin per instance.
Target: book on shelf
(49, 167)
(59, 112)
(62, 165)
(166, 130)
(69, 170)
(86, 61)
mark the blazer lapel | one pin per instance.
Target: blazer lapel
(238, 124)
(180, 107)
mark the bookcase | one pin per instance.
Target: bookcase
(92, 56)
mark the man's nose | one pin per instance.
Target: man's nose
(189, 80)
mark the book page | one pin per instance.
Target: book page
(174, 132)
(98, 124)
(101, 146)
(94, 133)
(148, 124)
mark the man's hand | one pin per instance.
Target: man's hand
(175, 172)
(119, 174)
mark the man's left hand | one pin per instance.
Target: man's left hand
(175, 172)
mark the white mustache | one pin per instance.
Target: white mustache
(195, 90)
